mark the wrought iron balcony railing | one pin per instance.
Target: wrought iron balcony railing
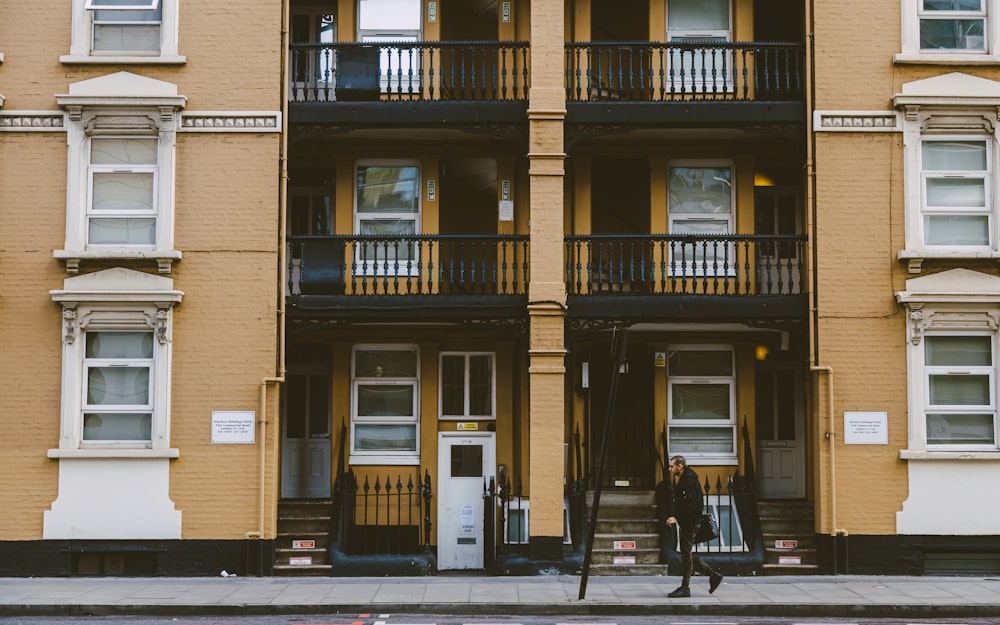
(640, 264)
(409, 70)
(663, 72)
(408, 265)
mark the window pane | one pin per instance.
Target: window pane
(960, 429)
(689, 362)
(953, 5)
(961, 351)
(123, 151)
(319, 400)
(956, 230)
(118, 386)
(124, 191)
(960, 390)
(117, 426)
(388, 189)
(517, 525)
(379, 437)
(389, 15)
(698, 15)
(466, 461)
(700, 401)
(119, 345)
(956, 192)
(700, 190)
(954, 155)
(453, 385)
(952, 35)
(295, 407)
(122, 231)
(387, 363)
(126, 37)
(481, 385)
(684, 440)
(385, 400)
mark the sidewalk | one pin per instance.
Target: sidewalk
(830, 596)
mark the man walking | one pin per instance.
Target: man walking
(685, 509)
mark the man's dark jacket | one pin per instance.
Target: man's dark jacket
(687, 499)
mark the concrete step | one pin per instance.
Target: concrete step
(628, 511)
(623, 497)
(284, 556)
(642, 541)
(626, 526)
(625, 556)
(628, 569)
(789, 569)
(315, 570)
(803, 540)
(285, 540)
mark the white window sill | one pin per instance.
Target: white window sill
(108, 452)
(915, 258)
(703, 460)
(71, 59)
(957, 58)
(164, 258)
(908, 454)
(356, 459)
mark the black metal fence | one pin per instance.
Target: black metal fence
(408, 265)
(385, 517)
(716, 70)
(642, 264)
(409, 70)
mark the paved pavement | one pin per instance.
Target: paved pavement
(830, 596)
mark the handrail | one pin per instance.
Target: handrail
(675, 71)
(409, 70)
(662, 264)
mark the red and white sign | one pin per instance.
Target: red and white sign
(786, 544)
(789, 559)
(624, 544)
(623, 560)
(300, 560)
(303, 544)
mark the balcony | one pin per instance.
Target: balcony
(408, 276)
(671, 277)
(626, 276)
(418, 81)
(704, 82)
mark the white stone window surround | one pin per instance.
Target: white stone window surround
(121, 104)
(911, 53)
(80, 40)
(949, 105)
(115, 299)
(955, 301)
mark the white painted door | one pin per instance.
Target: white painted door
(305, 437)
(780, 433)
(465, 460)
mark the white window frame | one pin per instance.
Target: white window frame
(389, 62)
(81, 38)
(701, 35)
(95, 214)
(718, 458)
(713, 504)
(989, 371)
(467, 415)
(986, 176)
(408, 267)
(115, 300)
(693, 267)
(361, 457)
(524, 509)
(148, 117)
(89, 363)
(912, 13)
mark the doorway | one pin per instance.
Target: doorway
(780, 426)
(631, 456)
(305, 425)
(465, 462)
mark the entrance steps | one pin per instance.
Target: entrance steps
(302, 547)
(627, 536)
(788, 529)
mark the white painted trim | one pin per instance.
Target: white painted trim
(80, 39)
(150, 454)
(857, 121)
(230, 121)
(32, 121)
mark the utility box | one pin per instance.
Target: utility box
(357, 74)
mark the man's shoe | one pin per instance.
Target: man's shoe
(681, 591)
(713, 582)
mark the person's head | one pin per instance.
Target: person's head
(677, 465)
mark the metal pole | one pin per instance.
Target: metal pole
(619, 342)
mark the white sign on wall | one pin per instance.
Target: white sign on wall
(233, 426)
(866, 428)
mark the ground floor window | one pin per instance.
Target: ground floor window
(385, 400)
(702, 402)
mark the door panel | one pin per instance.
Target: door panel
(465, 462)
(780, 429)
(305, 441)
